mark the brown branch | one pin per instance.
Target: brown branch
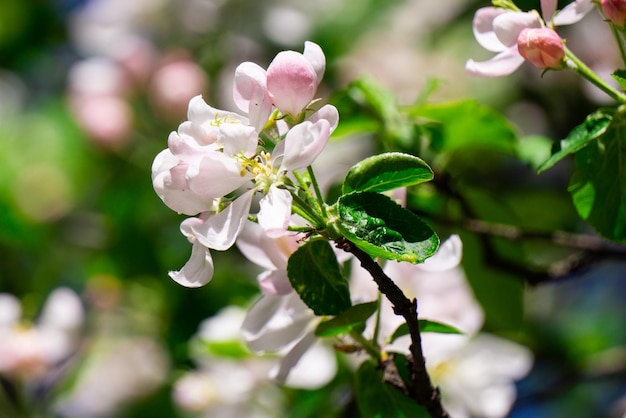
(421, 388)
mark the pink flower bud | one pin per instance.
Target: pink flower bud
(615, 10)
(291, 82)
(543, 47)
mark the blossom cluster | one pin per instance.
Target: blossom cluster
(218, 160)
(517, 36)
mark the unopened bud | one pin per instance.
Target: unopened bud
(615, 10)
(543, 47)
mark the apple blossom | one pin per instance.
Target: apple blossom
(497, 30)
(543, 47)
(615, 10)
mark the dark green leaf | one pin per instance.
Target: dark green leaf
(426, 326)
(620, 77)
(315, 275)
(598, 186)
(388, 171)
(593, 127)
(345, 322)
(377, 399)
(382, 228)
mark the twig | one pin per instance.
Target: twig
(421, 388)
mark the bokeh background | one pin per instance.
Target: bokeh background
(90, 89)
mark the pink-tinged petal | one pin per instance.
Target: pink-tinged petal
(447, 256)
(220, 231)
(509, 25)
(268, 253)
(573, 12)
(275, 282)
(198, 271)
(199, 111)
(170, 184)
(275, 212)
(315, 55)
(292, 358)
(291, 82)
(238, 139)
(304, 143)
(483, 28)
(502, 64)
(215, 175)
(548, 7)
(329, 113)
(250, 93)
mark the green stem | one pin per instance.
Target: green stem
(316, 188)
(581, 68)
(619, 38)
(371, 348)
(302, 208)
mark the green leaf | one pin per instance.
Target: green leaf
(377, 399)
(382, 228)
(598, 186)
(345, 322)
(534, 150)
(467, 124)
(593, 127)
(620, 77)
(315, 275)
(426, 325)
(387, 171)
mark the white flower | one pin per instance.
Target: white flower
(29, 351)
(477, 374)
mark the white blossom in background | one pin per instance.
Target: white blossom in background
(116, 372)
(228, 381)
(476, 372)
(29, 351)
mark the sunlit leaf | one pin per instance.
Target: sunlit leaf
(386, 171)
(382, 228)
(593, 127)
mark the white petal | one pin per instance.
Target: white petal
(548, 7)
(266, 252)
(314, 54)
(483, 28)
(238, 139)
(220, 231)
(275, 212)
(250, 93)
(447, 256)
(198, 271)
(199, 110)
(10, 310)
(292, 358)
(316, 367)
(329, 113)
(509, 25)
(215, 175)
(303, 143)
(573, 12)
(275, 282)
(275, 322)
(63, 310)
(502, 64)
